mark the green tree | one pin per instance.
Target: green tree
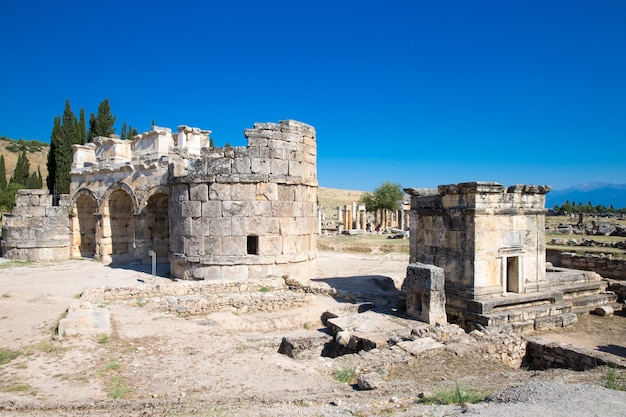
(82, 127)
(91, 133)
(123, 134)
(3, 174)
(384, 198)
(102, 124)
(64, 134)
(22, 168)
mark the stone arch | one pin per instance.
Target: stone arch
(119, 217)
(122, 186)
(152, 227)
(84, 223)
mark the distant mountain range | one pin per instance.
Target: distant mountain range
(597, 192)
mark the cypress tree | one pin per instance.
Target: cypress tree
(91, 134)
(123, 135)
(82, 128)
(3, 174)
(104, 120)
(55, 137)
(21, 173)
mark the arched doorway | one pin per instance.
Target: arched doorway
(84, 227)
(122, 226)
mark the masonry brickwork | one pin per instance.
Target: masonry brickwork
(211, 213)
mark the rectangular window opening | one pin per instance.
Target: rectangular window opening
(253, 245)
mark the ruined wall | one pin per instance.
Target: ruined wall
(247, 211)
(36, 230)
(606, 266)
(488, 239)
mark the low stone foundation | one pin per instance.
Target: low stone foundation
(604, 265)
(541, 354)
(196, 298)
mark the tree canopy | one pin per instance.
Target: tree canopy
(386, 196)
(102, 123)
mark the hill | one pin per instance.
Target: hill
(598, 193)
(36, 153)
(331, 198)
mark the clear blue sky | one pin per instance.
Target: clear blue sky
(419, 93)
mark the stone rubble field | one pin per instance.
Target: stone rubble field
(164, 361)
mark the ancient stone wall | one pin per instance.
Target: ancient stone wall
(247, 211)
(36, 230)
(211, 213)
(606, 266)
(488, 239)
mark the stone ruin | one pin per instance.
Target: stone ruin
(490, 243)
(210, 213)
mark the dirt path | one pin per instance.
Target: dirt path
(220, 364)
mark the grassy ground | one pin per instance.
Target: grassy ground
(366, 242)
(554, 221)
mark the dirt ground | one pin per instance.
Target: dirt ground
(226, 364)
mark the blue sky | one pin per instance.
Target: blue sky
(419, 93)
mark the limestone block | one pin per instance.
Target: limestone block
(288, 226)
(270, 245)
(260, 166)
(85, 319)
(277, 153)
(220, 226)
(286, 193)
(234, 245)
(199, 192)
(425, 294)
(239, 226)
(272, 225)
(219, 191)
(242, 165)
(234, 208)
(279, 167)
(282, 208)
(193, 245)
(211, 209)
(234, 272)
(289, 245)
(179, 192)
(243, 192)
(191, 208)
(267, 191)
(260, 208)
(295, 168)
(213, 245)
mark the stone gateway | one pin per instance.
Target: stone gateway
(211, 213)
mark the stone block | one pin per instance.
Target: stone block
(286, 193)
(234, 245)
(282, 208)
(234, 208)
(425, 294)
(288, 226)
(548, 322)
(179, 192)
(266, 191)
(211, 209)
(279, 167)
(260, 166)
(242, 165)
(213, 245)
(219, 191)
(243, 192)
(260, 208)
(191, 208)
(199, 192)
(270, 245)
(220, 226)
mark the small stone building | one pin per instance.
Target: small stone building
(211, 213)
(490, 242)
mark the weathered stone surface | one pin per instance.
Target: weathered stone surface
(415, 347)
(604, 311)
(369, 381)
(308, 347)
(85, 319)
(425, 293)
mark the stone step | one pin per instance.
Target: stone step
(521, 314)
(588, 303)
